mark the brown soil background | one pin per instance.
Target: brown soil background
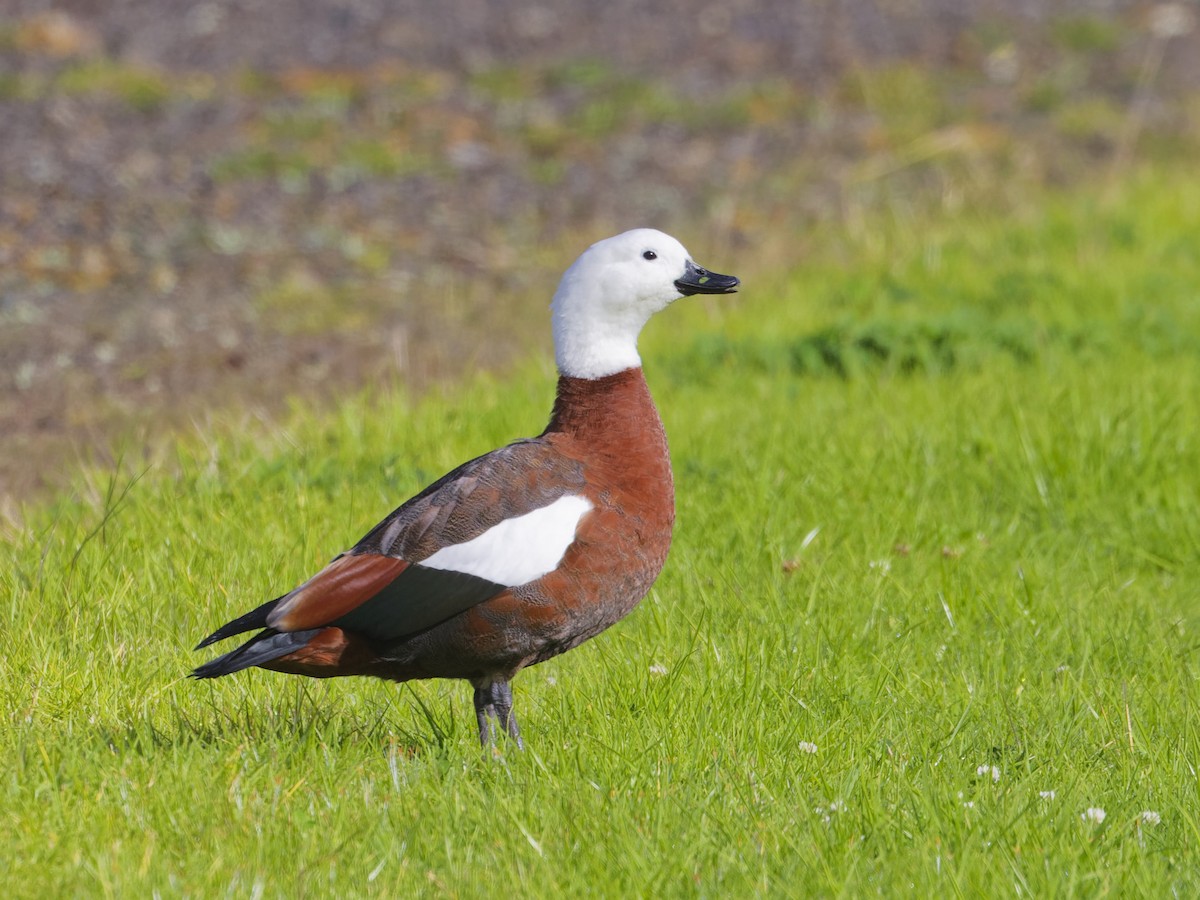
(223, 205)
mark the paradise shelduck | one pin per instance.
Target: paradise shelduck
(525, 552)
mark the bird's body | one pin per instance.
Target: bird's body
(520, 554)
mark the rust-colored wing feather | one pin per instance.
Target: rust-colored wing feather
(345, 583)
(380, 597)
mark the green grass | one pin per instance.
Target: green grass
(939, 512)
(144, 89)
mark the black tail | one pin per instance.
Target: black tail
(256, 618)
(261, 648)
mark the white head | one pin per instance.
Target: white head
(612, 290)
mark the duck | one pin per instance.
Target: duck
(525, 552)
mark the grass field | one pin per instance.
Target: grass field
(933, 598)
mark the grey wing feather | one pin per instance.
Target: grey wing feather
(476, 496)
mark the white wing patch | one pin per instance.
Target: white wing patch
(520, 549)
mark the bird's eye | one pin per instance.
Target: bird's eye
(649, 254)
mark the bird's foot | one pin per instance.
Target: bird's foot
(493, 707)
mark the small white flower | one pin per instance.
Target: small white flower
(883, 565)
(827, 814)
(968, 804)
(1093, 814)
(1046, 795)
(991, 771)
(1149, 817)
(658, 670)
(807, 747)
(551, 680)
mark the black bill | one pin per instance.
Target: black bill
(696, 280)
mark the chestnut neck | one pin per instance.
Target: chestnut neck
(617, 406)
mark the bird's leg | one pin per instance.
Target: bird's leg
(485, 711)
(502, 696)
(493, 701)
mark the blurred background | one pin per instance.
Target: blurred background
(227, 204)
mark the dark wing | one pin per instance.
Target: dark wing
(380, 590)
(380, 597)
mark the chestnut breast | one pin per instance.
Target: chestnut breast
(611, 427)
